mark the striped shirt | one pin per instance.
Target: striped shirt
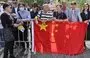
(48, 15)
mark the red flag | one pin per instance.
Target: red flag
(59, 37)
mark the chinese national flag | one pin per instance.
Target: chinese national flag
(59, 37)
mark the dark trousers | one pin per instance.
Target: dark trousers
(8, 48)
(1, 35)
(1, 38)
(88, 34)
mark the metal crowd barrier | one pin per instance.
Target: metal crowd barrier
(30, 39)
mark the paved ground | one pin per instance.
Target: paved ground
(86, 54)
(26, 54)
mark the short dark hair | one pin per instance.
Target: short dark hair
(21, 4)
(59, 5)
(73, 3)
(5, 5)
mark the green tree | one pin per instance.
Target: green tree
(3, 0)
(40, 2)
(81, 2)
(28, 1)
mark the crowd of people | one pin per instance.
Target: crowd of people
(13, 15)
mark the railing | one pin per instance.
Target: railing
(30, 40)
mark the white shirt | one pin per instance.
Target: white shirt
(1, 27)
(74, 19)
(43, 15)
(16, 10)
(1, 11)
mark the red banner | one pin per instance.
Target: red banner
(59, 37)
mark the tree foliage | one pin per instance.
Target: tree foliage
(40, 2)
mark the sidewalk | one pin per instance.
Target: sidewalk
(19, 54)
(86, 54)
(1, 52)
(88, 44)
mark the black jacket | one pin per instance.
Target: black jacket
(7, 23)
(60, 15)
(85, 16)
(33, 14)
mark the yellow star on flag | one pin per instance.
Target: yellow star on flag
(43, 26)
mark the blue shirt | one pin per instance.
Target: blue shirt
(24, 15)
(74, 15)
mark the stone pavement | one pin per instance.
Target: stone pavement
(27, 54)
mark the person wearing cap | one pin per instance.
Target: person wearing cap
(74, 13)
